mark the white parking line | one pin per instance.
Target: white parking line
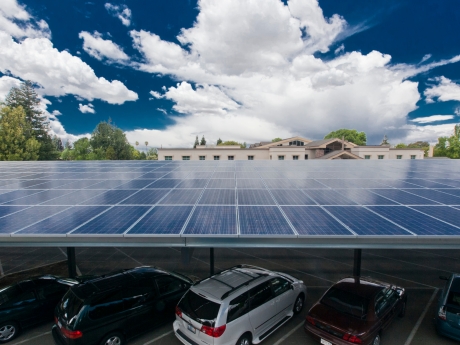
(31, 338)
(158, 338)
(420, 319)
(289, 334)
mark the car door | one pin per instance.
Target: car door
(262, 314)
(385, 306)
(169, 290)
(23, 304)
(284, 296)
(49, 292)
(453, 304)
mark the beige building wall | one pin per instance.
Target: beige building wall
(222, 153)
(407, 153)
(373, 152)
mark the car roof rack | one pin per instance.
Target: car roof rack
(233, 268)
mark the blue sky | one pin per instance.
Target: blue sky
(246, 70)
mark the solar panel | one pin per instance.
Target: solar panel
(165, 183)
(263, 220)
(403, 197)
(79, 184)
(146, 197)
(110, 197)
(310, 221)
(218, 197)
(365, 197)
(328, 197)
(26, 217)
(182, 197)
(195, 183)
(254, 197)
(308, 184)
(38, 198)
(162, 220)
(135, 184)
(115, 221)
(448, 214)
(74, 198)
(221, 183)
(6, 210)
(426, 183)
(212, 220)
(291, 197)
(449, 183)
(250, 183)
(13, 195)
(434, 195)
(223, 174)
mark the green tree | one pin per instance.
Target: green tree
(203, 141)
(232, 142)
(449, 146)
(57, 142)
(81, 150)
(417, 145)
(106, 135)
(14, 144)
(219, 141)
(152, 154)
(27, 97)
(401, 146)
(276, 140)
(196, 142)
(351, 135)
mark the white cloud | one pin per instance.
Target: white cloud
(121, 12)
(6, 83)
(56, 113)
(445, 90)
(100, 48)
(429, 133)
(58, 72)
(87, 108)
(433, 118)
(340, 49)
(16, 21)
(156, 94)
(426, 57)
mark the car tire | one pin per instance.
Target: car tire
(298, 304)
(245, 339)
(403, 309)
(8, 331)
(113, 339)
(377, 340)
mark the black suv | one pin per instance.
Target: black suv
(118, 306)
(30, 302)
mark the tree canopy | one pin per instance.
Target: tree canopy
(417, 145)
(232, 142)
(351, 135)
(449, 146)
(276, 140)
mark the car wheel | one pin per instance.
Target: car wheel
(298, 304)
(113, 339)
(8, 331)
(403, 309)
(245, 339)
(376, 340)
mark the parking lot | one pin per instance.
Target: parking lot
(416, 270)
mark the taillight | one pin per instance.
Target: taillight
(352, 338)
(442, 313)
(71, 334)
(178, 312)
(56, 320)
(311, 320)
(214, 332)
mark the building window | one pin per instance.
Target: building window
(367, 157)
(185, 158)
(281, 158)
(202, 158)
(306, 156)
(216, 158)
(250, 158)
(413, 156)
(296, 158)
(296, 143)
(168, 158)
(230, 158)
(380, 156)
(399, 157)
(270, 157)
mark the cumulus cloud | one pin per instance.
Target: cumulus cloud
(121, 12)
(100, 48)
(444, 90)
(433, 118)
(16, 21)
(429, 133)
(156, 95)
(58, 72)
(6, 83)
(87, 108)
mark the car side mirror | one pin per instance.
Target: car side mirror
(443, 278)
(292, 287)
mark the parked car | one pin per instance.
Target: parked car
(241, 305)
(447, 319)
(30, 302)
(355, 310)
(116, 307)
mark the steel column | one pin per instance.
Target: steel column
(71, 262)
(357, 263)
(211, 261)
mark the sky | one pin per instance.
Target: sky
(245, 70)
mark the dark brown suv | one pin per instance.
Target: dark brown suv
(355, 310)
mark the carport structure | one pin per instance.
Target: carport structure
(212, 204)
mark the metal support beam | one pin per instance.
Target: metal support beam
(357, 263)
(211, 261)
(71, 262)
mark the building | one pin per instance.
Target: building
(296, 148)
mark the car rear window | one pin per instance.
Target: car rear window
(346, 302)
(70, 307)
(199, 308)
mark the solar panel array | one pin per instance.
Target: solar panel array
(239, 199)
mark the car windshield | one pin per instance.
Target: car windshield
(9, 293)
(346, 302)
(70, 307)
(199, 308)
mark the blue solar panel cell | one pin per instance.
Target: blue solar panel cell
(254, 197)
(280, 184)
(416, 222)
(250, 183)
(263, 221)
(366, 223)
(146, 197)
(403, 197)
(448, 214)
(454, 192)
(162, 220)
(247, 174)
(398, 184)
(110, 197)
(165, 183)
(449, 183)
(109, 184)
(291, 197)
(218, 197)
(114, 222)
(212, 220)
(12, 195)
(365, 197)
(135, 184)
(193, 183)
(6, 210)
(351, 183)
(74, 198)
(308, 184)
(426, 183)
(182, 197)
(434, 195)
(223, 174)
(26, 217)
(309, 221)
(153, 175)
(221, 183)
(39, 198)
(63, 222)
(328, 197)
(79, 184)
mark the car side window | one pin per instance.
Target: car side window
(20, 299)
(279, 286)
(238, 307)
(105, 305)
(142, 291)
(168, 284)
(384, 300)
(260, 295)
